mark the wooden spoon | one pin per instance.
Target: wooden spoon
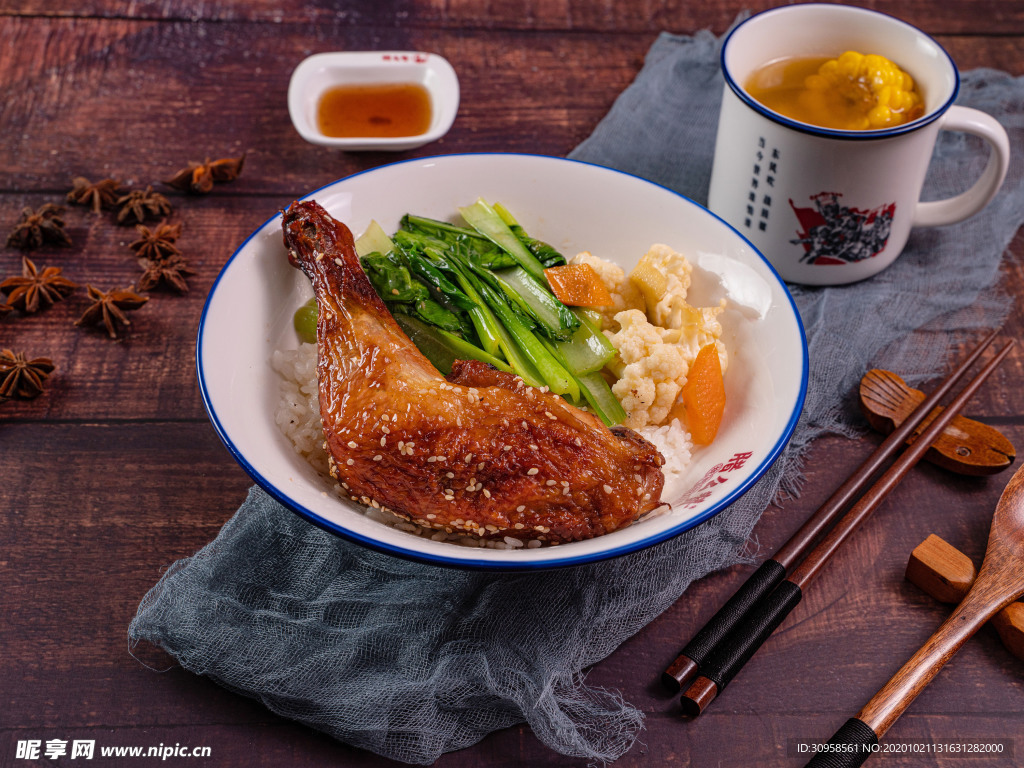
(1000, 582)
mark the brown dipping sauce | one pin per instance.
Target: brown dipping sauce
(380, 110)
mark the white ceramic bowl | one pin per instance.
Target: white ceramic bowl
(574, 206)
(325, 70)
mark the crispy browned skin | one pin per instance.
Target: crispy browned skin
(480, 451)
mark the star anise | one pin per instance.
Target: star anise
(5, 310)
(198, 178)
(102, 194)
(172, 271)
(157, 244)
(21, 377)
(36, 290)
(109, 308)
(37, 227)
(141, 205)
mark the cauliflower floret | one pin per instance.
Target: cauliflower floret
(699, 326)
(656, 342)
(624, 294)
(670, 310)
(651, 372)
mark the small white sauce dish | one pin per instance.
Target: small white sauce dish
(322, 71)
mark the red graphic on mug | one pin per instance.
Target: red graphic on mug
(835, 234)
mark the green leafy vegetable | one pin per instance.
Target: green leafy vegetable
(304, 321)
(479, 293)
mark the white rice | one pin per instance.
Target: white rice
(298, 417)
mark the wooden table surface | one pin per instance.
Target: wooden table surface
(115, 471)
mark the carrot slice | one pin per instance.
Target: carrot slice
(704, 396)
(578, 285)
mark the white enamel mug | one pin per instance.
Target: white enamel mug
(825, 206)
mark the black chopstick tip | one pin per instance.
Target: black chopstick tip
(698, 696)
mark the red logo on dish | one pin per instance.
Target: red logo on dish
(701, 490)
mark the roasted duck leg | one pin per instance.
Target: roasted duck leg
(478, 452)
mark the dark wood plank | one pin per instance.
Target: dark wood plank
(117, 536)
(74, 88)
(606, 16)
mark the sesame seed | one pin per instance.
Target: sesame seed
(578, 443)
(520, 508)
(449, 475)
(431, 459)
(401, 444)
(550, 482)
(647, 497)
(519, 526)
(353, 444)
(383, 441)
(448, 497)
(550, 415)
(487, 493)
(378, 457)
(339, 262)
(544, 389)
(350, 462)
(534, 447)
(565, 491)
(565, 483)
(469, 458)
(607, 488)
(385, 430)
(532, 471)
(491, 528)
(431, 516)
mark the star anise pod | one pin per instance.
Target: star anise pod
(102, 194)
(37, 227)
(36, 290)
(20, 377)
(5, 310)
(157, 244)
(109, 308)
(172, 271)
(198, 178)
(141, 205)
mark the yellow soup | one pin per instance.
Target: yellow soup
(853, 93)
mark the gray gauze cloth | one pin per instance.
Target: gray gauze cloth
(411, 661)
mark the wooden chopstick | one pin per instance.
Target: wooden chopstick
(757, 625)
(684, 669)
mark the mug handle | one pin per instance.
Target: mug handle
(966, 204)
